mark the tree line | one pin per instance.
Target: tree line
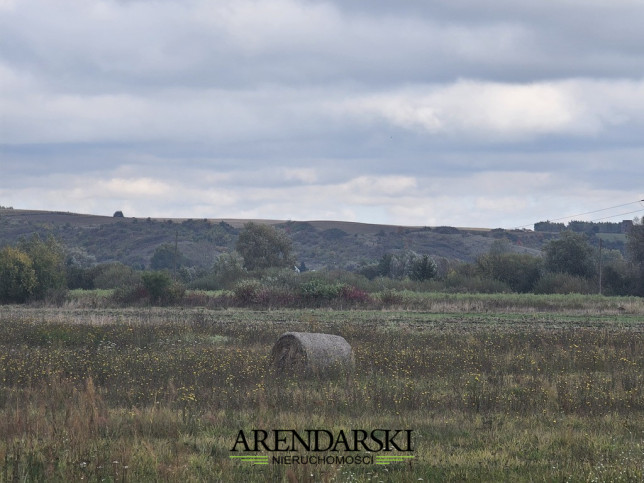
(36, 269)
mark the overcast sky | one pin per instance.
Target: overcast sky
(486, 113)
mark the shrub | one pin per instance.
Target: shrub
(354, 295)
(564, 283)
(391, 297)
(130, 295)
(114, 275)
(458, 282)
(56, 297)
(79, 277)
(228, 269)
(519, 271)
(320, 290)
(206, 282)
(161, 288)
(247, 292)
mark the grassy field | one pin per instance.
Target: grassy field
(492, 393)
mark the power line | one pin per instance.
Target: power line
(595, 211)
(615, 216)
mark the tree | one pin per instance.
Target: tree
(402, 264)
(635, 251)
(165, 257)
(384, 265)
(520, 271)
(572, 254)
(78, 268)
(263, 246)
(635, 244)
(229, 268)
(423, 268)
(17, 276)
(48, 259)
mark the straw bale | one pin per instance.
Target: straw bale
(309, 353)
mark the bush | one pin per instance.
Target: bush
(354, 295)
(248, 292)
(564, 283)
(79, 277)
(56, 297)
(114, 275)
(130, 295)
(458, 282)
(617, 280)
(206, 282)
(228, 269)
(161, 288)
(319, 290)
(391, 297)
(519, 271)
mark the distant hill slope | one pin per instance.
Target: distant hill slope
(319, 244)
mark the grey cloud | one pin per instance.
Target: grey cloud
(244, 106)
(111, 47)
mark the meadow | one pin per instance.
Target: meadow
(495, 388)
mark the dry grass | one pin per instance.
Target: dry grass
(159, 394)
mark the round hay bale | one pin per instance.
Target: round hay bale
(309, 353)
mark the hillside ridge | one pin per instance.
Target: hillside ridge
(317, 243)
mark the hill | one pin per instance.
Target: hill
(319, 244)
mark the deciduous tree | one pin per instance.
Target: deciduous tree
(635, 251)
(263, 246)
(17, 275)
(570, 253)
(48, 260)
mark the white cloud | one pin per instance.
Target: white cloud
(485, 199)
(132, 188)
(472, 110)
(509, 111)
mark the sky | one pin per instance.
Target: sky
(471, 113)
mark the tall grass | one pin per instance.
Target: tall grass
(339, 296)
(149, 394)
